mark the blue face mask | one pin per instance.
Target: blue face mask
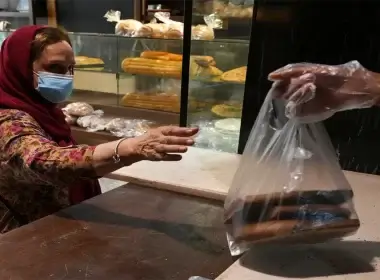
(54, 87)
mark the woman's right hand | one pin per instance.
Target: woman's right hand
(160, 144)
(318, 91)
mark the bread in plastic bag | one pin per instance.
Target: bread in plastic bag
(128, 27)
(289, 186)
(174, 28)
(78, 109)
(71, 120)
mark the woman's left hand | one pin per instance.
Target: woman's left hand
(163, 143)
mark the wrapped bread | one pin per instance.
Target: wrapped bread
(78, 109)
(202, 32)
(128, 27)
(158, 30)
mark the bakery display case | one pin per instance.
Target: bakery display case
(219, 98)
(165, 79)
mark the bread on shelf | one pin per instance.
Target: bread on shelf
(235, 75)
(155, 101)
(163, 102)
(89, 63)
(152, 67)
(169, 65)
(227, 110)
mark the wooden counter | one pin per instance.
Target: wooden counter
(207, 173)
(130, 233)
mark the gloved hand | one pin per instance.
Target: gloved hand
(314, 92)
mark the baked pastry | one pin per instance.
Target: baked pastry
(153, 67)
(202, 32)
(89, 63)
(162, 102)
(161, 55)
(236, 75)
(227, 110)
(200, 72)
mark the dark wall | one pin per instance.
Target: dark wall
(87, 15)
(322, 33)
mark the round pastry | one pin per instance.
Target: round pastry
(228, 126)
(202, 32)
(227, 110)
(79, 109)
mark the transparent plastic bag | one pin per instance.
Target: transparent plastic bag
(206, 31)
(174, 28)
(93, 122)
(128, 27)
(79, 109)
(289, 186)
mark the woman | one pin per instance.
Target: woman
(319, 91)
(42, 170)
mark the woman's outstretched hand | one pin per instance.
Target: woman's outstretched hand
(316, 92)
(161, 144)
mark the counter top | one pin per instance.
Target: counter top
(130, 233)
(209, 174)
(201, 172)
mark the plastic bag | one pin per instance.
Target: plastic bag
(79, 109)
(174, 28)
(289, 186)
(128, 27)
(93, 122)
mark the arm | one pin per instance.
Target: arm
(37, 159)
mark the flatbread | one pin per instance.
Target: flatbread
(236, 75)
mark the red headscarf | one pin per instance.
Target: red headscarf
(17, 92)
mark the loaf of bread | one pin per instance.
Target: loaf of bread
(87, 61)
(163, 64)
(162, 102)
(158, 30)
(174, 33)
(202, 60)
(236, 75)
(152, 67)
(309, 216)
(161, 55)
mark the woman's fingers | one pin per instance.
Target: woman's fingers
(178, 131)
(165, 148)
(176, 140)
